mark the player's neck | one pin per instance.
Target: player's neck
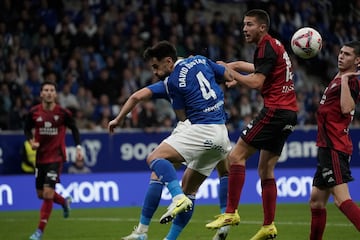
(48, 106)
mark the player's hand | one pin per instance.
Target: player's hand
(34, 145)
(112, 125)
(231, 84)
(79, 154)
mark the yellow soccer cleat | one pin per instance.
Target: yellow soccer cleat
(182, 205)
(266, 232)
(224, 219)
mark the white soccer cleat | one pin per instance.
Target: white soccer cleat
(135, 235)
(182, 205)
(221, 233)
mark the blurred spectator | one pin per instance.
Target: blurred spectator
(79, 167)
(28, 158)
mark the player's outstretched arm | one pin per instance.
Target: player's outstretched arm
(137, 97)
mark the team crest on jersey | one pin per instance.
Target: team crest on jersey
(56, 117)
(39, 119)
(47, 124)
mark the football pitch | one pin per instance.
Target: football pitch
(292, 221)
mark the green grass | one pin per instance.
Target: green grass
(292, 221)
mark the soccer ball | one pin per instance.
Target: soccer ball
(306, 42)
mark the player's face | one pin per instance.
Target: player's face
(48, 94)
(347, 59)
(162, 68)
(253, 30)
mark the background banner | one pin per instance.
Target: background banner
(127, 151)
(123, 189)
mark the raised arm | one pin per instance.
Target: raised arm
(347, 102)
(137, 97)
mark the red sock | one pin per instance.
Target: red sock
(59, 199)
(269, 195)
(45, 212)
(236, 183)
(318, 222)
(352, 212)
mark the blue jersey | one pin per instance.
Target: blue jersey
(192, 87)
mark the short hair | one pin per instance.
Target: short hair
(47, 82)
(355, 45)
(160, 51)
(261, 15)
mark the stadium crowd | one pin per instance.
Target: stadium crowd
(93, 50)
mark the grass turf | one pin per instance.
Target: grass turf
(292, 221)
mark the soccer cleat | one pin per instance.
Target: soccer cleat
(36, 235)
(221, 233)
(224, 219)
(182, 205)
(135, 235)
(266, 232)
(66, 207)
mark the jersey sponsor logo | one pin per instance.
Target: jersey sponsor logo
(88, 192)
(215, 107)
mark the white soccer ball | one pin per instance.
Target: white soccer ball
(306, 42)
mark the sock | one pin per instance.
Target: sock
(269, 195)
(180, 221)
(167, 174)
(223, 189)
(318, 222)
(351, 211)
(236, 183)
(45, 213)
(151, 203)
(58, 199)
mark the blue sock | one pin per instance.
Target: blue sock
(167, 174)
(151, 201)
(180, 221)
(223, 188)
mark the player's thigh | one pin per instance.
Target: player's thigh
(165, 151)
(191, 181)
(240, 152)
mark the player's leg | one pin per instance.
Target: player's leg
(191, 182)
(150, 204)
(46, 179)
(159, 162)
(237, 158)
(346, 205)
(223, 174)
(318, 201)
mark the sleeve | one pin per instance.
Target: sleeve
(266, 63)
(158, 90)
(28, 126)
(70, 123)
(355, 89)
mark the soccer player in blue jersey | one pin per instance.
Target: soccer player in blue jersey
(200, 138)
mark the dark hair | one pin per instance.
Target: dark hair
(261, 15)
(160, 51)
(46, 82)
(355, 45)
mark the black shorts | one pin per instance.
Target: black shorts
(332, 168)
(270, 129)
(47, 174)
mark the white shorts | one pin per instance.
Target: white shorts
(201, 145)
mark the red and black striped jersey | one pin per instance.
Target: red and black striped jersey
(333, 125)
(50, 129)
(272, 60)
